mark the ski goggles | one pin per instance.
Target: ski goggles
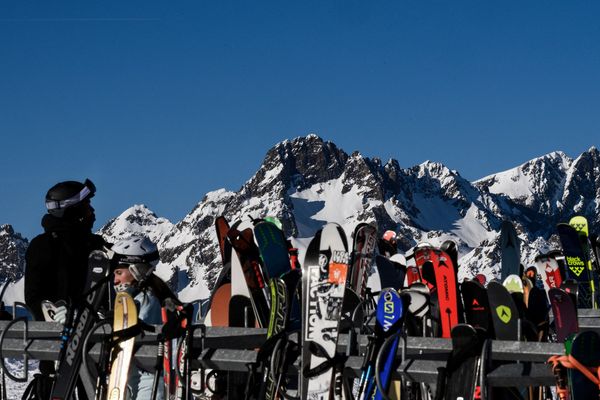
(88, 190)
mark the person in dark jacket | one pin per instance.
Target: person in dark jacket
(57, 260)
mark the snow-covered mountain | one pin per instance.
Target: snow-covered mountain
(308, 181)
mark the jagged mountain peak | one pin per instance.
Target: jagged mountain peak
(137, 219)
(7, 230)
(12, 256)
(557, 159)
(302, 161)
(537, 184)
(582, 189)
(435, 170)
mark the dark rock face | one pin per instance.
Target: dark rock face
(12, 254)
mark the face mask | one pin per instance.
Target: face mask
(125, 287)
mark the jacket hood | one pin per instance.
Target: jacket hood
(50, 223)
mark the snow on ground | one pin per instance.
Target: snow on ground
(14, 390)
(15, 292)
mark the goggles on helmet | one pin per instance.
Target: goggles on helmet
(135, 259)
(88, 190)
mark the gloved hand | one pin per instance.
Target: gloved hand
(60, 314)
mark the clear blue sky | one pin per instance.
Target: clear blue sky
(161, 102)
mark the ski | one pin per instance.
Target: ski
(254, 274)
(510, 250)
(125, 316)
(222, 288)
(81, 320)
(445, 279)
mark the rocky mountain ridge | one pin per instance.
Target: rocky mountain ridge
(308, 181)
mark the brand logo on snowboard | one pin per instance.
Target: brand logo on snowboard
(475, 306)
(576, 265)
(388, 310)
(323, 261)
(504, 314)
(313, 303)
(337, 273)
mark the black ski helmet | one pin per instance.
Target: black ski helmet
(67, 194)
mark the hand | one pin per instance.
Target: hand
(60, 314)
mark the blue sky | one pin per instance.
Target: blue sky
(161, 102)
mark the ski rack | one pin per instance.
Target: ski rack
(520, 364)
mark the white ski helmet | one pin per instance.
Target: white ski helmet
(138, 253)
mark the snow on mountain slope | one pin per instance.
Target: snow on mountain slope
(535, 177)
(307, 182)
(136, 220)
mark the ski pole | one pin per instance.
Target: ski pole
(158, 367)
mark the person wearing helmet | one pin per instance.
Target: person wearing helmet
(57, 260)
(388, 245)
(134, 260)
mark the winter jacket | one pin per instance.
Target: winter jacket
(56, 263)
(140, 382)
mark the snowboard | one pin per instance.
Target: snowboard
(578, 266)
(585, 349)
(363, 248)
(273, 248)
(564, 311)
(548, 271)
(476, 305)
(325, 272)
(391, 317)
(462, 369)
(504, 312)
